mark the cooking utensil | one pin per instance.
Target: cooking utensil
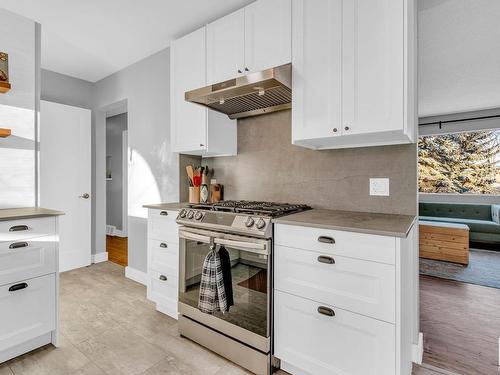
(190, 173)
(196, 180)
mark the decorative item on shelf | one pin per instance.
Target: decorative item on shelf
(215, 191)
(4, 133)
(4, 73)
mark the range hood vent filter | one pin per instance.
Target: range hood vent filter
(249, 95)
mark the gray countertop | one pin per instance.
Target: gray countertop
(360, 222)
(174, 206)
(26, 213)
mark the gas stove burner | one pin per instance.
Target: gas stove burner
(272, 209)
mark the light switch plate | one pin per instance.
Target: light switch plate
(379, 186)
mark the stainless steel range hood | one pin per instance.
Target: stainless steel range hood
(253, 94)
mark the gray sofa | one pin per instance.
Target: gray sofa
(483, 220)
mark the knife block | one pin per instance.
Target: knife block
(194, 194)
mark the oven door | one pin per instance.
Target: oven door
(248, 320)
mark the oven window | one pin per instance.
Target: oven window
(250, 286)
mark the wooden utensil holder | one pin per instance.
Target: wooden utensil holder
(194, 194)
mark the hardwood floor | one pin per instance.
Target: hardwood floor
(461, 326)
(117, 248)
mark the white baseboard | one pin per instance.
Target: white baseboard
(136, 275)
(417, 351)
(100, 257)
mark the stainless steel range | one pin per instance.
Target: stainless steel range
(244, 228)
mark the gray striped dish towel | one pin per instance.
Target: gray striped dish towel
(212, 294)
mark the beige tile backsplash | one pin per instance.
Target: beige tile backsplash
(269, 167)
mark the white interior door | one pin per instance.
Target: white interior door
(65, 178)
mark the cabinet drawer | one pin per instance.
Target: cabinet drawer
(26, 259)
(160, 290)
(345, 343)
(355, 245)
(14, 230)
(163, 256)
(27, 313)
(356, 285)
(162, 225)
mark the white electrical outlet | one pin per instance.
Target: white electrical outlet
(379, 186)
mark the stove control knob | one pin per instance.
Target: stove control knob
(249, 222)
(190, 214)
(260, 224)
(182, 214)
(198, 215)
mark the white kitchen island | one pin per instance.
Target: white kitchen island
(29, 280)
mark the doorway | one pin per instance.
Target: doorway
(116, 188)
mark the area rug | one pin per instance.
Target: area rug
(257, 282)
(483, 268)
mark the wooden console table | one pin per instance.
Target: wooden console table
(444, 241)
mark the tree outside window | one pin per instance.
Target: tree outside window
(462, 163)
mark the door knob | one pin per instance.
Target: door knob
(84, 196)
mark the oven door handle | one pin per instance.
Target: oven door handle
(257, 248)
(240, 244)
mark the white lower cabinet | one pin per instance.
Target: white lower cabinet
(345, 343)
(27, 310)
(29, 284)
(163, 260)
(344, 302)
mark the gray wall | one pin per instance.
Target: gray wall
(60, 88)
(115, 126)
(269, 167)
(153, 169)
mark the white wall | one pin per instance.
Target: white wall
(19, 37)
(63, 89)
(153, 172)
(459, 55)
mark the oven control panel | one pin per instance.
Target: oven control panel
(240, 223)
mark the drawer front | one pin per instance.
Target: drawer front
(159, 289)
(163, 256)
(162, 226)
(346, 343)
(27, 313)
(15, 230)
(356, 285)
(355, 245)
(27, 259)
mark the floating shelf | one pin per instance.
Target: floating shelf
(4, 133)
(4, 87)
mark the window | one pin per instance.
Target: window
(461, 163)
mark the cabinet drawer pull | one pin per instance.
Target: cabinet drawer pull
(16, 287)
(17, 245)
(326, 311)
(18, 228)
(163, 278)
(163, 213)
(164, 245)
(326, 239)
(325, 259)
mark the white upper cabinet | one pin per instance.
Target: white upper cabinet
(194, 130)
(353, 73)
(251, 39)
(268, 28)
(225, 47)
(316, 69)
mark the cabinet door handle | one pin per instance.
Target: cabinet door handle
(163, 213)
(326, 311)
(335, 130)
(17, 245)
(325, 259)
(346, 128)
(326, 239)
(163, 278)
(246, 69)
(19, 286)
(239, 71)
(18, 228)
(164, 245)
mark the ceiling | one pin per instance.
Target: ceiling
(91, 39)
